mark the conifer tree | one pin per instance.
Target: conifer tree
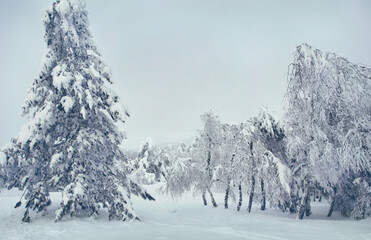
(71, 140)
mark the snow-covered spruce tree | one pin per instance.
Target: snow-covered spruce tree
(206, 154)
(71, 140)
(328, 121)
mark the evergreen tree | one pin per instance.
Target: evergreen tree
(71, 140)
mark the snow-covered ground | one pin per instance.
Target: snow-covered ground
(184, 219)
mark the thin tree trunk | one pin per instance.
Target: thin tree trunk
(308, 210)
(240, 197)
(204, 198)
(163, 174)
(227, 195)
(302, 209)
(263, 195)
(331, 207)
(208, 169)
(228, 187)
(251, 197)
(305, 204)
(332, 197)
(208, 162)
(293, 206)
(281, 206)
(212, 198)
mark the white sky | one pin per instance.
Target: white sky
(172, 60)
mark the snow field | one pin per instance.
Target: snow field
(183, 219)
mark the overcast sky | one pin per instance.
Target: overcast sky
(172, 60)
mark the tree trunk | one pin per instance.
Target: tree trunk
(204, 198)
(227, 195)
(208, 170)
(228, 187)
(305, 204)
(293, 206)
(308, 210)
(212, 198)
(251, 197)
(332, 198)
(240, 197)
(263, 195)
(208, 162)
(331, 207)
(163, 174)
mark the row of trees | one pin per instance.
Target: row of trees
(70, 143)
(228, 157)
(320, 147)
